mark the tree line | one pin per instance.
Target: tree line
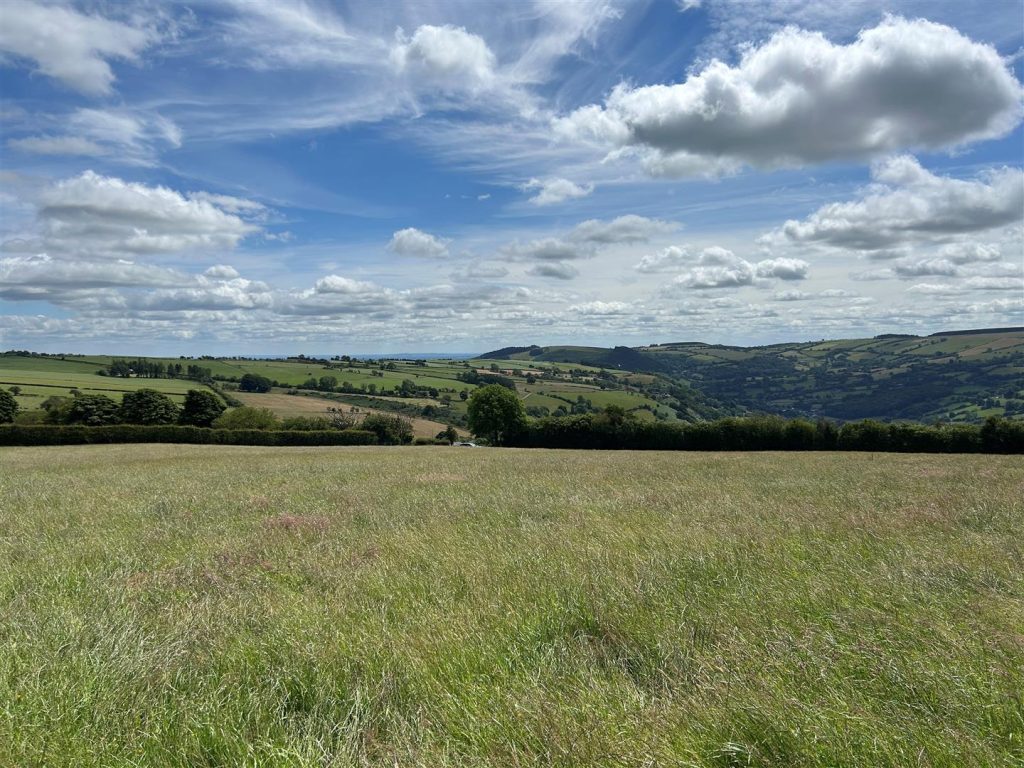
(497, 414)
(147, 408)
(154, 369)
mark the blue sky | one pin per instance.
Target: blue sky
(266, 176)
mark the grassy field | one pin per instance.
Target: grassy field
(195, 605)
(40, 378)
(285, 406)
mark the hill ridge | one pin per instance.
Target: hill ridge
(963, 375)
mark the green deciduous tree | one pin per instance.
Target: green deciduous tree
(248, 418)
(495, 412)
(8, 406)
(251, 382)
(91, 410)
(201, 408)
(55, 407)
(147, 406)
(390, 430)
(449, 434)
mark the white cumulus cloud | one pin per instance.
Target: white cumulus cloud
(446, 57)
(103, 216)
(666, 260)
(414, 242)
(72, 47)
(909, 204)
(719, 267)
(783, 268)
(622, 229)
(555, 190)
(800, 99)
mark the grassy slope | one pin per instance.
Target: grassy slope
(950, 378)
(172, 605)
(40, 378)
(285, 406)
(943, 377)
(888, 377)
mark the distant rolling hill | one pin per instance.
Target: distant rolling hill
(960, 376)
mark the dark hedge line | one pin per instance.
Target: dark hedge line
(592, 431)
(37, 434)
(770, 434)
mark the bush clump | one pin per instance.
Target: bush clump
(247, 417)
(390, 430)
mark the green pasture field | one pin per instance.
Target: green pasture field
(80, 372)
(529, 362)
(548, 392)
(535, 398)
(294, 374)
(80, 365)
(201, 605)
(39, 379)
(603, 398)
(92, 363)
(285, 406)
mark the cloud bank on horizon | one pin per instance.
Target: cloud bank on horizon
(265, 176)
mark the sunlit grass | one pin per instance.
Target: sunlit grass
(200, 605)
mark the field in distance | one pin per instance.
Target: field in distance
(432, 393)
(187, 605)
(955, 377)
(38, 378)
(286, 406)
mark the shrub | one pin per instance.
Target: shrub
(201, 408)
(90, 410)
(54, 405)
(147, 406)
(449, 435)
(307, 423)
(8, 406)
(247, 417)
(390, 430)
(1002, 436)
(251, 382)
(826, 435)
(867, 435)
(33, 416)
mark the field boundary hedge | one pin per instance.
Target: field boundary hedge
(590, 431)
(40, 434)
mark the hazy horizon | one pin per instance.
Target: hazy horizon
(270, 176)
(434, 354)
